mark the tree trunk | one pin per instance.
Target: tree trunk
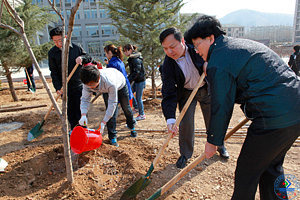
(153, 81)
(10, 82)
(64, 64)
(37, 67)
(64, 120)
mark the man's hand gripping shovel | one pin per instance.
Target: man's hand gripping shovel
(193, 164)
(144, 181)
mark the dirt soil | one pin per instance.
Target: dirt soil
(36, 170)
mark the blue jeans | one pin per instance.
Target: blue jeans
(137, 102)
(123, 98)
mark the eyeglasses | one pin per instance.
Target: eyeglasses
(55, 41)
(197, 44)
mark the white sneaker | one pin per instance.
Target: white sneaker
(140, 117)
(134, 111)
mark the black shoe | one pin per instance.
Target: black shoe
(223, 152)
(133, 133)
(181, 162)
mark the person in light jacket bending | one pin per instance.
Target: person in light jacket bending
(112, 82)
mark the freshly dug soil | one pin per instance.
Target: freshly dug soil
(36, 169)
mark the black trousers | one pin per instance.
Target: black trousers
(73, 111)
(123, 98)
(260, 161)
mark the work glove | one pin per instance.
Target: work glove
(102, 126)
(83, 120)
(172, 128)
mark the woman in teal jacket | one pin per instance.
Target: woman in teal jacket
(249, 73)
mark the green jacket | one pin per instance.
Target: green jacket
(249, 73)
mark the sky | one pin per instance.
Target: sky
(220, 8)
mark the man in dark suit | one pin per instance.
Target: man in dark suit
(180, 73)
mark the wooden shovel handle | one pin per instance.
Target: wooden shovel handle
(57, 97)
(199, 159)
(28, 76)
(236, 128)
(178, 120)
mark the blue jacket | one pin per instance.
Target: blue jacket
(249, 73)
(116, 63)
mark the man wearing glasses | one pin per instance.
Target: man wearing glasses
(180, 73)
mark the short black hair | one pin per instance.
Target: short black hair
(204, 27)
(297, 48)
(89, 73)
(177, 34)
(86, 59)
(56, 31)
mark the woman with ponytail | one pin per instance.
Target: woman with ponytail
(115, 57)
(137, 75)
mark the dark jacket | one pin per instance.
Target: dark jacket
(294, 62)
(136, 67)
(249, 73)
(30, 70)
(173, 82)
(54, 57)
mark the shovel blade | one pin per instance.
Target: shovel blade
(35, 132)
(135, 188)
(32, 90)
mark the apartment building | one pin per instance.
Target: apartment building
(234, 30)
(276, 34)
(296, 35)
(92, 27)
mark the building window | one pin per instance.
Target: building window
(94, 48)
(87, 14)
(68, 12)
(92, 30)
(103, 13)
(107, 30)
(94, 13)
(77, 15)
(76, 31)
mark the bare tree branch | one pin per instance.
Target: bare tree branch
(22, 34)
(14, 15)
(54, 8)
(1, 9)
(10, 28)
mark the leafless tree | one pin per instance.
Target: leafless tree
(21, 32)
(64, 64)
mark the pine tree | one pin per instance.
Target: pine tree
(142, 21)
(13, 54)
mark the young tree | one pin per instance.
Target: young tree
(141, 22)
(13, 54)
(65, 55)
